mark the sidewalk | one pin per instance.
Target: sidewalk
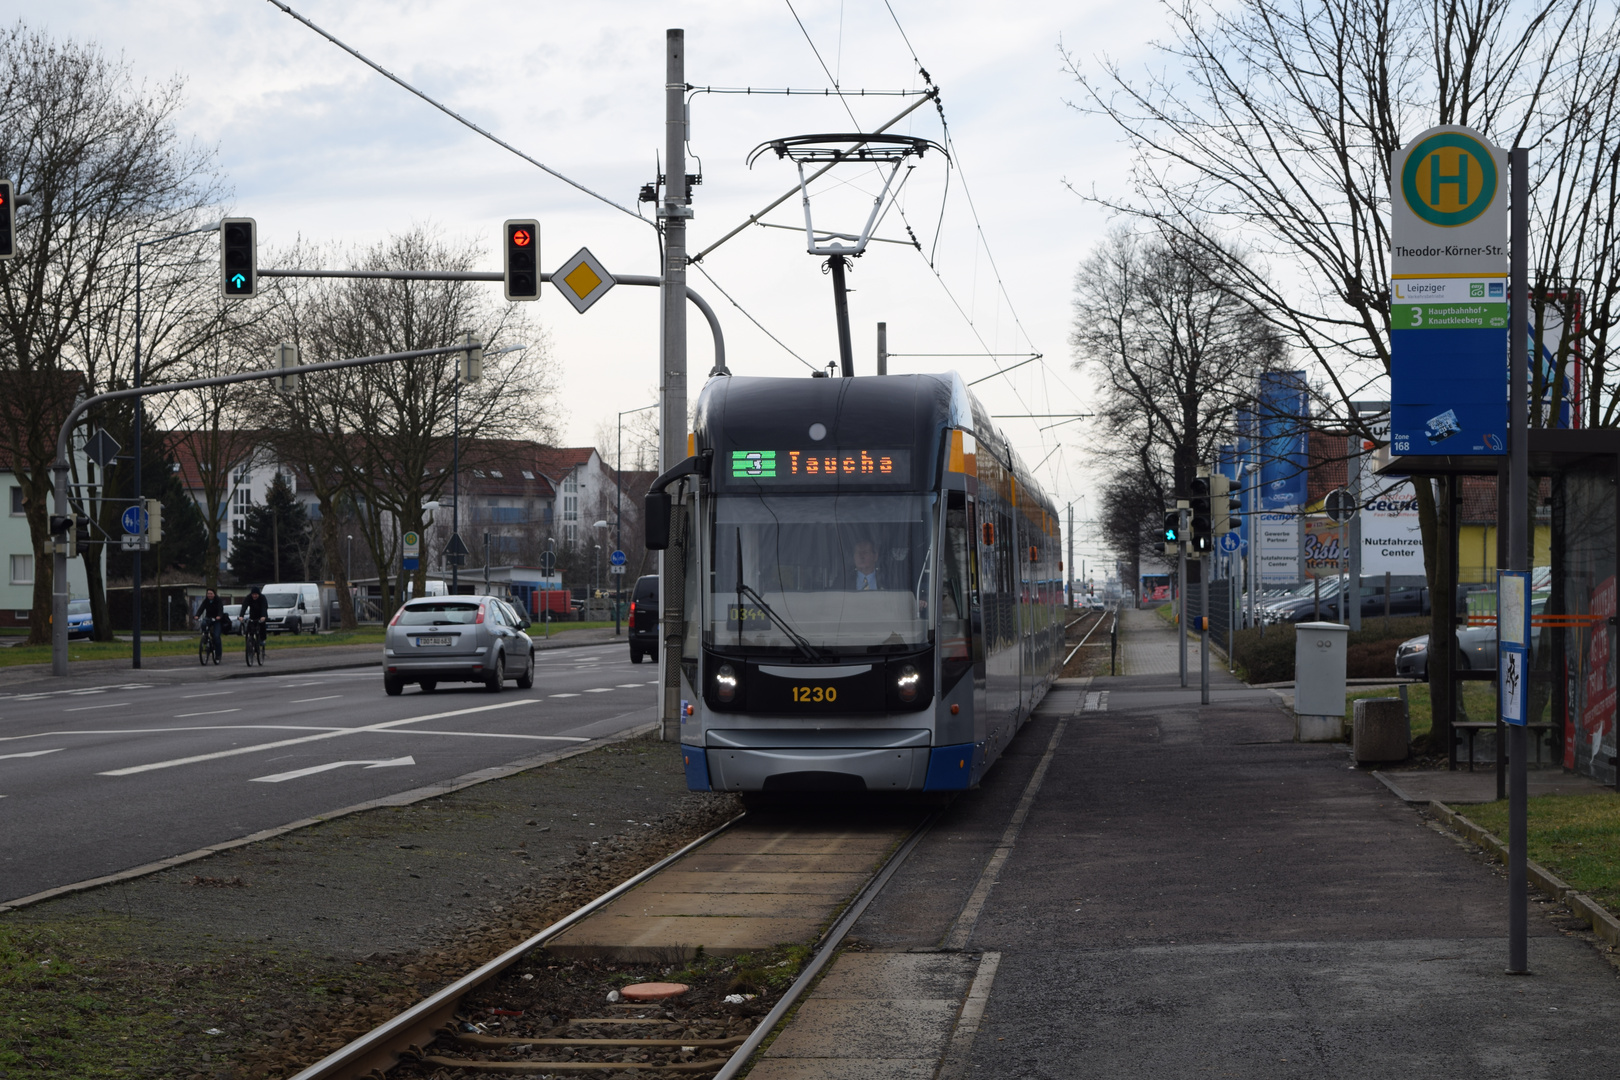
(300, 660)
(1194, 894)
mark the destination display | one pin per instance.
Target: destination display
(810, 467)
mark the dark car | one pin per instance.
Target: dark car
(644, 619)
(1301, 607)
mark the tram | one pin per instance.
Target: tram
(869, 585)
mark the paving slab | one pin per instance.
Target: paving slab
(887, 1015)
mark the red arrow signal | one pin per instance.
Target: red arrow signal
(521, 238)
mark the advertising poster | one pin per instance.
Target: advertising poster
(1324, 548)
(1279, 549)
(1597, 701)
(1391, 539)
(1284, 410)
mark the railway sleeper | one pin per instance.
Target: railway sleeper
(514, 1040)
(474, 1065)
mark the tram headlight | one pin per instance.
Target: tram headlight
(907, 682)
(725, 683)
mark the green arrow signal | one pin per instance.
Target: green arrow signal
(238, 280)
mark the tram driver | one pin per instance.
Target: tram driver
(867, 577)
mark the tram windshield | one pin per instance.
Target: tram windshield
(840, 571)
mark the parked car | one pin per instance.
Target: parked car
(293, 607)
(435, 639)
(80, 622)
(644, 619)
(1476, 648)
(1300, 606)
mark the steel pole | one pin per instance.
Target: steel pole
(140, 416)
(618, 521)
(1181, 599)
(1205, 565)
(883, 349)
(455, 486)
(674, 212)
(1518, 539)
(846, 350)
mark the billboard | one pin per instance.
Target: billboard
(1283, 410)
(1448, 295)
(1279, 548)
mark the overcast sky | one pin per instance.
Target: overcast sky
(314, 144)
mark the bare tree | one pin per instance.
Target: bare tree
(99, 159)
(1174, 351)
(378, 439)
(1276, 120)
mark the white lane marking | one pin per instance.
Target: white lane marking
(600, 690)
(80, 693)
(215, 712)
(334, 697)
(81, 690)
(313, 769)
(87, 708)
(34, 753)
(491, 735)
(632, 685)
(217, 693)
(565, 695)
(310, 738)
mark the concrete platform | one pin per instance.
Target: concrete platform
(751, 888)
(1423, 786)
(875, 1016)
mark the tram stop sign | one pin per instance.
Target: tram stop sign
(1340, 505)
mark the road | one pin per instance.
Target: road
(107, 774)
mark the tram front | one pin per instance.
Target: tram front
(819, 626)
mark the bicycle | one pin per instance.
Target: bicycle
(254, 633)
(207, 645)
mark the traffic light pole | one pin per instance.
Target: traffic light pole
(1181, 603)
(673, 213)
(1204, 565)
(60, 467)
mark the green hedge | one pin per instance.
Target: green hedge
(1371, 650)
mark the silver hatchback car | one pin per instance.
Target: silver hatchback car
(436, 639)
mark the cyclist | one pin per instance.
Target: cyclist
(255, 613)
(211, 617)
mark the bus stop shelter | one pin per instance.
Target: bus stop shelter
(1574, 474)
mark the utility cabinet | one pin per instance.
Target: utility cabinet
(1319, 666)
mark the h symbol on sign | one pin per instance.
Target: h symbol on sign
(1438, 179)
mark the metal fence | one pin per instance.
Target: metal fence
(1220, 609)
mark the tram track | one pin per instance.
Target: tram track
(451, 1033)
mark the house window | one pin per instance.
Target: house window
(22, 569)
(528, 474)
(16, 500)
(478, 473)
(496, 473)
(571, 498)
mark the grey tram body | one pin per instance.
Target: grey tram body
(967, 622)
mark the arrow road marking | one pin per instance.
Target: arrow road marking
(313, 769)
(341, 732)
(33, 753)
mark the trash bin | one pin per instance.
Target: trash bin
(1319, 665)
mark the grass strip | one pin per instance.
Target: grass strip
(1577, 837)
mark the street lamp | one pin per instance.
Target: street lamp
(140, 419)
(599, 526)
(455, 468)
(618, 510)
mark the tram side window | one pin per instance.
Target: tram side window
(955, 631)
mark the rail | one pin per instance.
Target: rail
(1092, 629)
(403, 1036)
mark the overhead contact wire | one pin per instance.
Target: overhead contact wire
(389, 75)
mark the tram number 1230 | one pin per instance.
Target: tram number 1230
(815, 693)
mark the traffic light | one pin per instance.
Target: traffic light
(154, 521)
(8, 219)
(286, 360)
(520, 239)
(81, 533)
(1222, 504)
(470, 364)
(1203, 539)
(64, 534)
(238, 257)
(1170, 535)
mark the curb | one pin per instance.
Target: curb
(403, 798)
(1603, 924)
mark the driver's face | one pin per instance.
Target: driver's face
(865, 557)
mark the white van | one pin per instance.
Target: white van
(294, 606)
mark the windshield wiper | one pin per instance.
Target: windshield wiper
(744, 589)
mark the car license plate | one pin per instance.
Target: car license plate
(444, 639)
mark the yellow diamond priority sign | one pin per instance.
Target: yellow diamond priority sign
(582, 280)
